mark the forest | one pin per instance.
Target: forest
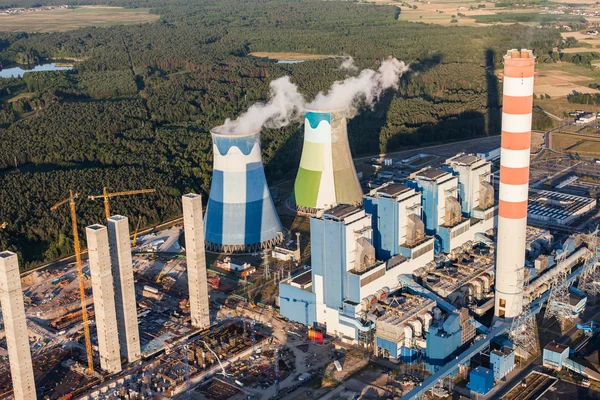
(136, 112)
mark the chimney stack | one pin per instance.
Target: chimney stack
(514, 182)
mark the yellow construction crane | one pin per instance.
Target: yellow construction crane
(137, 228)
(84, 315)
(105, 195)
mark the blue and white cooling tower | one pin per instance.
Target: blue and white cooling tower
(240, 215)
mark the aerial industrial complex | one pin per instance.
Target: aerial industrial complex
(428, 279)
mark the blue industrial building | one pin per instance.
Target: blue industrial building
(481, 380)
(396, 218)
(297, 301)
(444, 339)
(502, 362)
(436, 186)
(555, 355)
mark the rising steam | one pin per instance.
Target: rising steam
(285, 105)
(367, 86)
(348, 64)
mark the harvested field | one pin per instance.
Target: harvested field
(576, 143)
(557, 81)
(60, 20)
(290, 56)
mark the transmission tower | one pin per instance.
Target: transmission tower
(523, 331)
(589, 281)
(558, 305)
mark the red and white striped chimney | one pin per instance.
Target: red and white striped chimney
(517, 107)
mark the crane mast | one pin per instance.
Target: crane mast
(76, 245)
(106, 195)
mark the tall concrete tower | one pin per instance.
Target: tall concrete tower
(326, 176)
(196, 259)
(240, 215)
(514, 181)
(15, 327)
(104, 298)
(122, 270)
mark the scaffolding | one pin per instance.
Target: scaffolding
(523, 331)
(558, 305)
(589, 281)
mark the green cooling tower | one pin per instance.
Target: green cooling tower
(326, 176)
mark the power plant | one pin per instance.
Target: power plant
(326, 176)
(514, 181)
(240, 215)
(424, 273)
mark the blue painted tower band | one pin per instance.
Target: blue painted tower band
(240, 215)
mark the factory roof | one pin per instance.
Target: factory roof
(432, 173)
(504, 351)
(393, 190)
(341, 211)
(556, 206)
(556, 347)
(303, 279)
(465, 159)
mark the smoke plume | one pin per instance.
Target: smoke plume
(367, 86)
(285, 105)
(348, 64)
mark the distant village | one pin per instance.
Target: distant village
(11, 11)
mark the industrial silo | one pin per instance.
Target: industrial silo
(240, 215)
(326, 176)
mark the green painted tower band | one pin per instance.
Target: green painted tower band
(326, 176)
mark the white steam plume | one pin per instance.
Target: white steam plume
(368, 85)
(348, 64)
(285, 105)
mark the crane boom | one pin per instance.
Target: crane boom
(76, 245)
(105, 195)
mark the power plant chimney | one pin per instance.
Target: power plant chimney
(240, 215)
(514, 182)
(326, 176)
(15, 328)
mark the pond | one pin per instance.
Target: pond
(17, 72)
(290, 61)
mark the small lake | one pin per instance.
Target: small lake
(17, 72)
(290, 61)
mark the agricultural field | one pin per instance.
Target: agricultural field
(61, 20)
(576, 143)
(445, 12)
(587, 43)
(560, 79)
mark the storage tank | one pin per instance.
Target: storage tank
(327, 176)
(487, 281)
(408, 336)
(417, 327)
(426, 320)
(240, 215)
(437, 314)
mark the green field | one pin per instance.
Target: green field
(527, 18)
(61, 20)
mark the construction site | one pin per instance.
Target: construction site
(429, 285)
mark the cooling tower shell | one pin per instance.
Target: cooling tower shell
(240, 215)
(326, 176)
